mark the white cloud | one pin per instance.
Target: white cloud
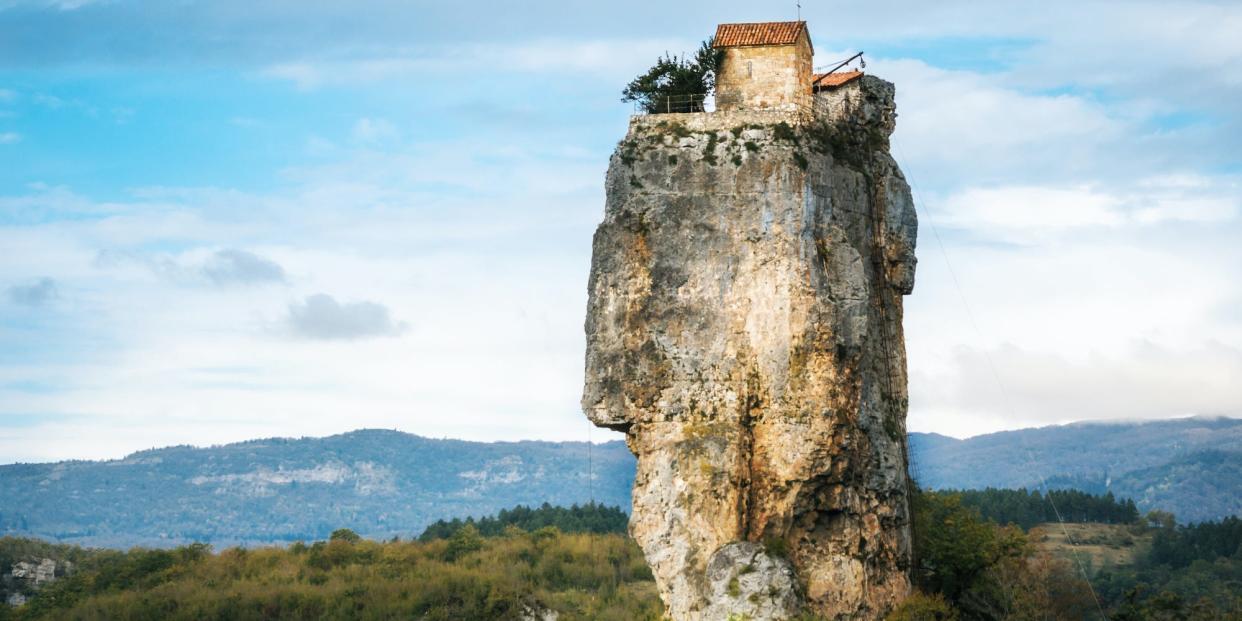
(609, 59)
(305, 75)
(10, 137)
(1190, 52)
(1031, 208)
(196, 266)
(206, 362)
(320, 316)
(122, 116)
(960, 125)
(69, 5)
(1024, 214)
(1119, 319)
(239, 266)
(38, 293)
(58, 5)
(372, 131)
(598, 56)
(1143, 380)
(49, 101)
(1186, 198)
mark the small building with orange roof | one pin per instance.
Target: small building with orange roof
(768, 66)
(765, 66)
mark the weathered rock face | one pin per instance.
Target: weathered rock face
(28, 576)
(744, 330)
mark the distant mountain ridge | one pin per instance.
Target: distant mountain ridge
(379, 483)
(387, 483)
(1190, 466)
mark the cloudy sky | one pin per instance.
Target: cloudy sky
(225, 220)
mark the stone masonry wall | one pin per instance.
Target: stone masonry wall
(774, 76)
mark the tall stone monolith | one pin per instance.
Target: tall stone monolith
(744, 331)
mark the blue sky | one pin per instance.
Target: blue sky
(227, 220)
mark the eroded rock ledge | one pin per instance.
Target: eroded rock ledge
(744, 330)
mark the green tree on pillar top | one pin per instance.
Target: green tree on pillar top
(676, 84)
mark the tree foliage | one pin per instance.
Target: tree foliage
(956, 546)
(676, 84)
(346, 535)
(988, 572)
(1179, 546)
(1030, 508)
(587, 518)
(1192, 573)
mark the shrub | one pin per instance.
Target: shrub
(922, 607)
(668, 85)
(466, 540)
(344, 534)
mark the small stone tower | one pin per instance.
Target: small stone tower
(766, 66)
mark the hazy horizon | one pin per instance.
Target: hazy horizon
(610, 437)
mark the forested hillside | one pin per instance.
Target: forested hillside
(379, 483)
(1190, 466)
(386, 483)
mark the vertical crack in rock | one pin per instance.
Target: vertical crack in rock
(744, 331)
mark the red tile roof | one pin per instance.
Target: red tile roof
(759, 33)
(830, 80)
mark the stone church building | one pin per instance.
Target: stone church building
(768, 66)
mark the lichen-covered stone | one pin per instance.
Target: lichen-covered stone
(744, 331)
(746, 582)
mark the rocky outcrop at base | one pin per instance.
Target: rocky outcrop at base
(26, 577)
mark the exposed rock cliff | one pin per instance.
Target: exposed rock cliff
(28, 576)
(744, 330)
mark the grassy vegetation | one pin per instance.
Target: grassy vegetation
(464, 577)
(519, 562)
(1096, 546)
